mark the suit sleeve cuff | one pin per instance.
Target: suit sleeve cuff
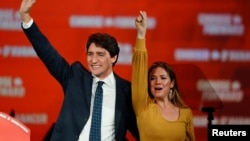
(28, 24)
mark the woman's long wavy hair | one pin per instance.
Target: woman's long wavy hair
(174, 95)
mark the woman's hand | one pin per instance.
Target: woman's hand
(141, 24)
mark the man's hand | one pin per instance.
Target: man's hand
(24, 10)
(141, 24)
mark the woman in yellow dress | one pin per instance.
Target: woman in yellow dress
(160, 111)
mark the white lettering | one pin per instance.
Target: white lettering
(216, 132)
(18, 51)
(99, 21)
(221, 24)
(10, 19)
(204, 55)
(36, 118)
(5, 81)
(191, 54)
(12, 87)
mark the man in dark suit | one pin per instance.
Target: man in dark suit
(74, 121)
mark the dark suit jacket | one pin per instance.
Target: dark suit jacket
(76, 82)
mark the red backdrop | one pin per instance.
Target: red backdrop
(205, 41)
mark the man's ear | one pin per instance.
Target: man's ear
(113, 59)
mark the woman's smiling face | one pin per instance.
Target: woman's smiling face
(160, 83)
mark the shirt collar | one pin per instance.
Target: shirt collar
(109, 80)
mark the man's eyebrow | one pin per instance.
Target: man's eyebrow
(101, 52)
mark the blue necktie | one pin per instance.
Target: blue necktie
(95, 130)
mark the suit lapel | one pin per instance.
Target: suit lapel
(119, 103)
(88, 80)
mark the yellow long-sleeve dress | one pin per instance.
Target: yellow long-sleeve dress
(152, 126)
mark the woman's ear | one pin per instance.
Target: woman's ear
(172, 84)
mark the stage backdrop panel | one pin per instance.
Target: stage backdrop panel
(206, 42)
